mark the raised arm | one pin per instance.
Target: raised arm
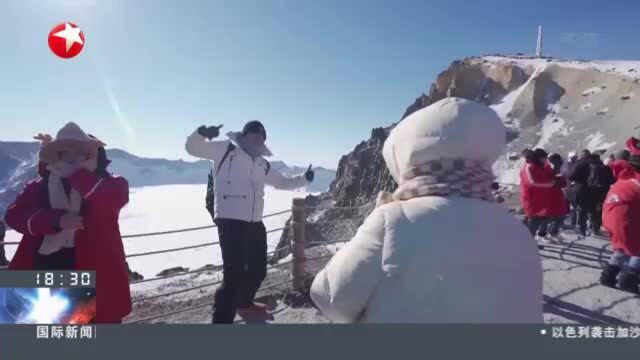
(106, 194)
(199, 146)
(279, 181)
(539, 177)
(343, 288)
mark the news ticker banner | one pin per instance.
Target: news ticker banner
(162, 341)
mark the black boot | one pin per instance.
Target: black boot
(609, 274)
(628, 280)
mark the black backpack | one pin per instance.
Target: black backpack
(599, 176)
(210, 197)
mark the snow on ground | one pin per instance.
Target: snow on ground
(505, 106)
(597, 142)
(506, 171)
(551, 125)
(591, 91)
(625, 68)
(585, 106)
(170, 207)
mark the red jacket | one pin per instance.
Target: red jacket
(98, 247)
(558, 204)
(621, 216)
(633, 147)
(536, 184)
(621, 169)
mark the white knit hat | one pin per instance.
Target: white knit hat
(70, 136)
(452, 128)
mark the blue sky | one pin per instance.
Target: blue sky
(319, 74)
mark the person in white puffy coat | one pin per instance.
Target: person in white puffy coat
(241, 172)
(437, 250)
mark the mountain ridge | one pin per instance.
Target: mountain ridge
(18, 166)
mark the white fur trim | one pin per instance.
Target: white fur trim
(29, 222)
(93, 189)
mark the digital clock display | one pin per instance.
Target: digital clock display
(65, 279)
(48, 279)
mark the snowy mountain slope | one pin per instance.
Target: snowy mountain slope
(563, 106)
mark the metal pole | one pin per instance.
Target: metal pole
(299, 216)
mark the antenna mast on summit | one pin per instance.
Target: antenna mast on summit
(539, 44)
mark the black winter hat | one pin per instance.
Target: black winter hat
(539, 154)
(555, 159)
(254, 126)
(634, 160)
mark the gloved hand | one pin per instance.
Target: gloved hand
(209, 132)
(71, 222)
(309, 174)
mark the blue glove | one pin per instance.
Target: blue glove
(309, 174)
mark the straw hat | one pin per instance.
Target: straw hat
(70, 136)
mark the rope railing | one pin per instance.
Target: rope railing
(329, 222)
(319, 257)
(193, 228)
(280, 249)
(192, 288)
(168, 232)
(170, 313)
(172, 250)
(278, 229)
(295, 261)
(180, 311)
(158, 278)
(279, 265)
(170, 276)
(327, 242)
(190, 247)
(194, 271)
(177, 292)
(332, 207)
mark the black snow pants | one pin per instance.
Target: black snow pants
(244, 257)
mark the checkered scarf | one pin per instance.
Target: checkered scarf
(444, 177)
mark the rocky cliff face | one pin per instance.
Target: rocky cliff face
(561, 105)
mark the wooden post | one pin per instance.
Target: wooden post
(299, 215)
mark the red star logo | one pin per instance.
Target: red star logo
(66, 40)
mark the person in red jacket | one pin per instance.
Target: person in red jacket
(536, 181)
(69, 219)
(621, 217)
(620, 166)
(558, 204)
(633, 145)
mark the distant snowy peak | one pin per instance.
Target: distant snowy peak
(619, 67)
(18, 162)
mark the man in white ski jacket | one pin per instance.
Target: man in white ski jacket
(437, 250)
(240, 173)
